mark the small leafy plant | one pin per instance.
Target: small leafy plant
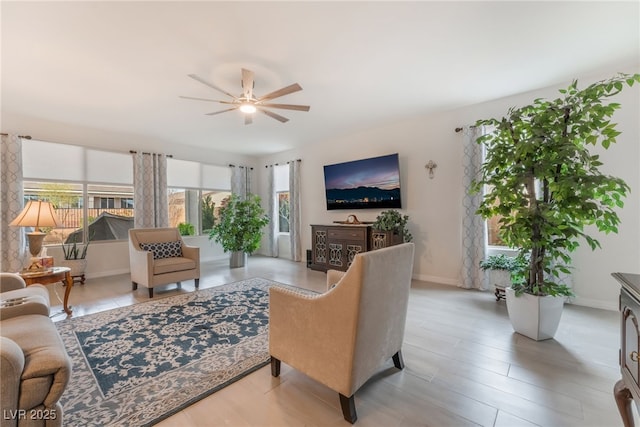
(499, 262)
(392, 220)
(186, 229)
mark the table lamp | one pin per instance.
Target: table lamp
(36, 214)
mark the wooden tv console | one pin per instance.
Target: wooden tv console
(333, 247)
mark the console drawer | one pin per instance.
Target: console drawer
(346, 233)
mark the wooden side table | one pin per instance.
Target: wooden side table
(55, 275)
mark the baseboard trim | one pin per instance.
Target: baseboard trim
(594, 303)
(436, 279)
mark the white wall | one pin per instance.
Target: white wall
(434, 205)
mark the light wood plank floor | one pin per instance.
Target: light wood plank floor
(464, 364)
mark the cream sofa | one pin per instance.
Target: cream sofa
(158, 256)
(34, 365)
(342, 337)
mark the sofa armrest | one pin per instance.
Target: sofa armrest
(11, 367)
(11, 282)
(141, 264)
(191, 252)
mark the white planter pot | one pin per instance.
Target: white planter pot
(238, 259)
(534, 317)
(500, 278)
(77, 266)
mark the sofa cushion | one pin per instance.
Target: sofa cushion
(47, 366)
(163, 249)
(171, 265)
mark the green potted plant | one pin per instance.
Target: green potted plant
(500, 269)
(75, 257)
(546, 187)
(238, 227)
(394, 221)
(186, 229)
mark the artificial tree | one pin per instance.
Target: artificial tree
(545, 184)
(238, 227)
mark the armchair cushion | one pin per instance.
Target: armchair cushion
(168, 265)
(163, 249)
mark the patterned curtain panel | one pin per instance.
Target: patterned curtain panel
(474, 230)
(294, 210)
(272, 231)
(11, 204)
(150, 190)
(241, 181)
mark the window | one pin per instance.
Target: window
(196, 207)
(87, 191)
(281, 188)
(283, 211)
(196, 192)
(106, 202)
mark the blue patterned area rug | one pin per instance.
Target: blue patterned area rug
(137, 365)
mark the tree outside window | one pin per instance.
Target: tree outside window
(283, 211)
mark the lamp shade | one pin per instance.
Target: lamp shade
(37, 214)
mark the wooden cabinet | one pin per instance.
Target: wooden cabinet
(628, 388)
(335, 246)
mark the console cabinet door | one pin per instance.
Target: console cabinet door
(630, 334)
(320, 248)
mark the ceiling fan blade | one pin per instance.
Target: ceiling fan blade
(204, 82)
(221, 111)
(273, 115)
(281, 92)
(248, 119)
(287, 106)
(247, 83)
(204, 99)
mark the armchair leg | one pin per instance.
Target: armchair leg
(275, 367)
(150, 292)
(134, 286)
(197, 283)
(398, 361)
(348, 405)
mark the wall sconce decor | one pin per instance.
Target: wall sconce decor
(431, 166)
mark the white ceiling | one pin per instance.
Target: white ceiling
(120, 66)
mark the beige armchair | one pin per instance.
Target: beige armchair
(158, 256)
(342, 337)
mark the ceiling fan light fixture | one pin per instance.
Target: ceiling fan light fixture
(248, 108)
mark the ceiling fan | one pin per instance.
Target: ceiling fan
(248, 103)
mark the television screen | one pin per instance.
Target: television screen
(372, 183)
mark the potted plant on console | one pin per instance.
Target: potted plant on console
(238, 227)
(390, 228)
(546, 187)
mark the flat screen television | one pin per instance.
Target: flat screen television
(372, 183)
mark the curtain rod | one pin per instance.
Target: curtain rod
(241, 167)
(278, 164)
(19, 136)
(460, 129)
(134, 152)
